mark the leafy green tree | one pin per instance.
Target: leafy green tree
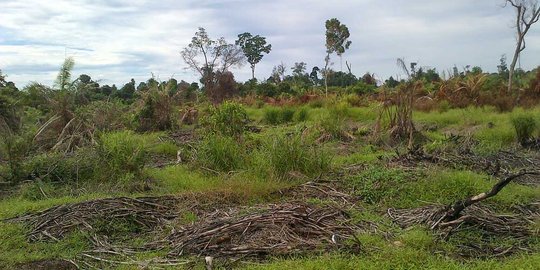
(337, 35)
(253, 48)
(127, 91)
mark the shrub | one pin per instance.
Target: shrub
(444, 106)
(301, 115)
(334, 122)
(356, 100)
(220, 153)
(524, 126)
(154, 109)
(267, 90)
(121, 153)
(361, 88)
(228, 119)
(58, 168)
(287, 115)
(316, 103)
(271, 116)
(285, 154)
(274, 116)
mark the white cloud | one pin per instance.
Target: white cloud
(122, 39)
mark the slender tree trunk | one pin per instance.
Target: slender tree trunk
(253, 72)
(513, 64)
(327, 60)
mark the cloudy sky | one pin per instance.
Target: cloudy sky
(116, 40)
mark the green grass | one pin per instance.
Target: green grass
(180, 179)
(14, 248)
(395, 188)
(255, 166)
(399, 258)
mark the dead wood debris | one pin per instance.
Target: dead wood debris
(516, 225)
(54, 223)
(274, 229)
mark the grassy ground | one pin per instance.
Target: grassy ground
(260, 167)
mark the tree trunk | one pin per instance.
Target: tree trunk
(327, 60)
(253, 72)
(513, 64)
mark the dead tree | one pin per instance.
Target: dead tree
(527, 13)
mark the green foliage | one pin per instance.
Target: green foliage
(63, 80)
(253, 48)
(121, 153)
(301, 115)
(156, 108)
(274, 116)
(220, 153)
(16, 249)
(376, 184)
(56, 168)
(13, 150)
(362, 88)
(284, 154)
(524, 125)
(287, 114)
(267, 90)
(333, 123)
(228, 119)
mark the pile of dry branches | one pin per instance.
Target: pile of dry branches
(54, 223)
(516, 226)
(274, 229)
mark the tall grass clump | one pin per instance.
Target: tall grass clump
(228, 119)
(275, 116)
(121, 153)
(301, 115)
(334, 123)
(272, 116)
(524, 125)
(284, 155)
(220, 153)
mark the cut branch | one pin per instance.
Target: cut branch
(455, 210)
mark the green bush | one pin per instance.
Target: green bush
(121, 153)
(285, 154)
(59, 168)
(220, 153)
(361, 88)
(334, 122)
(267, 90)
(524, 125)
(287, 115)
(301, 115)
(229, 119)
(272, 116)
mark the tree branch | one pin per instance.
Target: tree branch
(455, 210)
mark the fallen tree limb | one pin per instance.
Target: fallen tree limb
(454, 211)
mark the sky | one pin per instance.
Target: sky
(116, 40)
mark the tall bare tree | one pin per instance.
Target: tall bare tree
(210, 57)
(527, 14)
